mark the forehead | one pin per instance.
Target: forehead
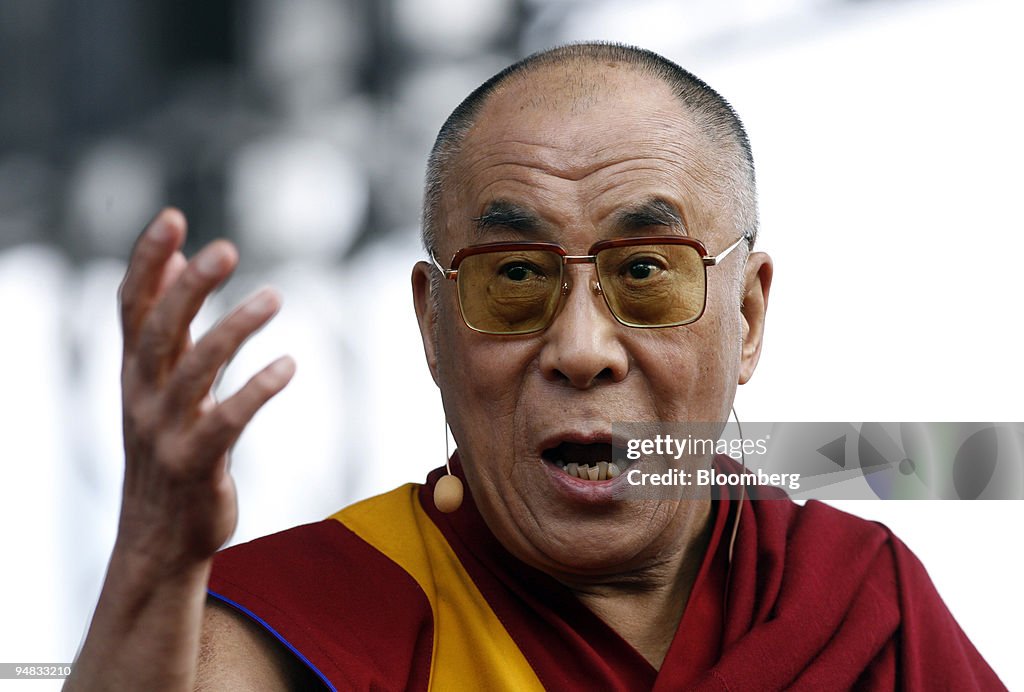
(575, 145)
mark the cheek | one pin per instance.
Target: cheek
(483, 377)
(720, 363)
(691, 371)
(672, 366)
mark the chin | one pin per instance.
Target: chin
(581, 544)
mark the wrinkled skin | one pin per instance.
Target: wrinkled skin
(574, 158)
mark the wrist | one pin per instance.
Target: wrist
(139, 574)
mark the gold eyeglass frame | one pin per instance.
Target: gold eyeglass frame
(707, 260)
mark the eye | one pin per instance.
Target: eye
(641, 269)
(517, 271)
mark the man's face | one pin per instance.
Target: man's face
(573, 163)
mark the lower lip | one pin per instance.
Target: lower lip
(581, 491)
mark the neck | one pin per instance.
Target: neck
(645, 605)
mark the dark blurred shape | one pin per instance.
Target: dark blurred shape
(28, 74)
(198, 34)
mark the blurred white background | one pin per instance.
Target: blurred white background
(887, 140)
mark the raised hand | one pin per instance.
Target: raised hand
(179, 504)
(179, 500)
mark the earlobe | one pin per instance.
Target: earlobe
(426, 313)
(756, 285)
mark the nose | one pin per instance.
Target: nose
(582, 344)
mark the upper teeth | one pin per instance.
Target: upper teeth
(601, 471)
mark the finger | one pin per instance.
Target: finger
(166, 327)
(140, 287)
(220, 428)
(172, 270)
(199, 367)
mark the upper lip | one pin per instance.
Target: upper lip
(583, 437)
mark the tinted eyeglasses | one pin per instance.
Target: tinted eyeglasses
(647, 282)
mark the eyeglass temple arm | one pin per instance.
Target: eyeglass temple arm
(448, 273)
(712, 261)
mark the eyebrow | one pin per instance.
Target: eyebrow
(507, 215)
(655, 211)
(652, 212)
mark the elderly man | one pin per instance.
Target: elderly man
(589, 216)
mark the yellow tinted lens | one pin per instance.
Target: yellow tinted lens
(653, 285)
(509, 292)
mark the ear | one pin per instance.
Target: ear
(757, 281)
(426, 313)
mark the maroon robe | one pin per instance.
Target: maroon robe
(815, 599)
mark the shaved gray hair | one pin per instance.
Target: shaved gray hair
(735, 191)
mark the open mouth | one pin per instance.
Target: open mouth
(590, 462)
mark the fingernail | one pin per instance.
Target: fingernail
(159, 231)
(283, 367)
(209, 262)
(261, 303)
